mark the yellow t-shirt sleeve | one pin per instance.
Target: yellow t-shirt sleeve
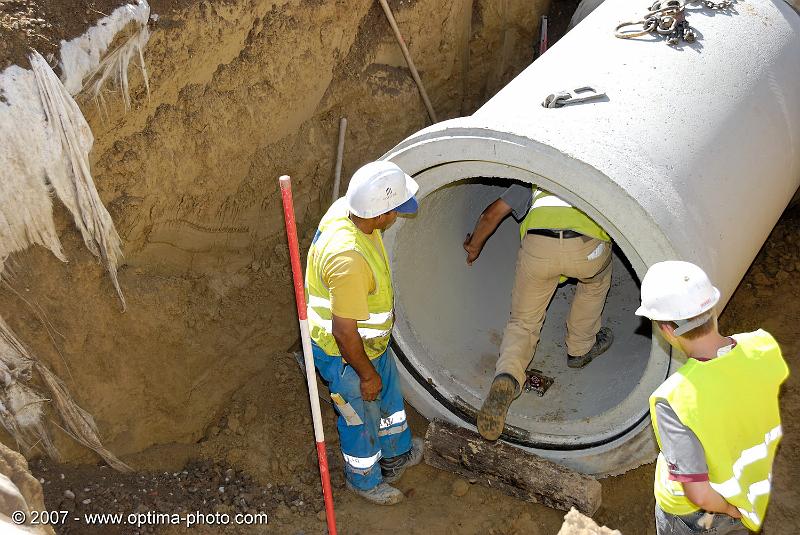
(349, 279)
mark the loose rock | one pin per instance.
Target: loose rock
(460, 488)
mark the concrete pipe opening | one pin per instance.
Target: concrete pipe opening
(696, 167)
(451, 317)
(459, 313)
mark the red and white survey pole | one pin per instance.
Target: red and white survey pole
(543, 35)
(311, 376)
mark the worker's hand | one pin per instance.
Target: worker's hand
(371, 386)
(733, 511)
(473, 251)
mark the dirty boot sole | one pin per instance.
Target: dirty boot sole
(492, 416)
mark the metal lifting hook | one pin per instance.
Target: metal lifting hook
(575, 96)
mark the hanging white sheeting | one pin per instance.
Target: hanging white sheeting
(44, 149)
(26, 153)
(70, 139)
(81, 56)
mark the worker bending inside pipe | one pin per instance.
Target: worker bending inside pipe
(350, 315)
(558, 241)
(716, 419)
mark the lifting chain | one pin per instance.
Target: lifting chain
(717, 5)
(668, 18)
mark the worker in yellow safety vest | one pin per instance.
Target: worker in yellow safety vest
(558, 241)
(350, 316)
(716, 418)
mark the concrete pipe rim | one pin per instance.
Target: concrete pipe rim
(429, 157)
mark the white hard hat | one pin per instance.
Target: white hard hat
(380, 187)
(675, 290)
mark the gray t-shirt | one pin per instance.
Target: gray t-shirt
(519, 198)
(685, 456)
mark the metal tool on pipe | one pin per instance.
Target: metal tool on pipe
(311, 376)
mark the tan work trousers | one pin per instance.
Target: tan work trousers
(541, 262)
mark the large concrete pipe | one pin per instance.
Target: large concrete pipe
(582, 11)
(693, 155)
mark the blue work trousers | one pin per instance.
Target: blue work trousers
(368, 430)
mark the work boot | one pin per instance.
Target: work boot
(393, 467)
(492, 416)
(602, 342)
(382, 494)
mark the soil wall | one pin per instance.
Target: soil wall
(242, 92)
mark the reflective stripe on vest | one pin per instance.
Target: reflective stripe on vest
(314, 303)
(337, 234)
(731, 405)
(749, 456)
(551, 212)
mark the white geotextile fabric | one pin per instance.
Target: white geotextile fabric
(113, 69)
(80, 57)
(44, 149)
(21, 407)
(45, 140)
(26, 154)
(69, 141)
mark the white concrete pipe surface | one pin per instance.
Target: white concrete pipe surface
(693, 154)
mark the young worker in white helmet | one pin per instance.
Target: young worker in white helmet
(350, 316)
(716, 419)
(557, 241)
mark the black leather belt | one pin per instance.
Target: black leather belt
(555, 233)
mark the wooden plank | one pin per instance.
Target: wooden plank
(509, 469)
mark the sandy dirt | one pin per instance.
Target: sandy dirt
(196, 376)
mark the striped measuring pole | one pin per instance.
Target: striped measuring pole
(311, 376)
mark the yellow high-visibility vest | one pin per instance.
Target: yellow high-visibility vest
(337, 234)
(731, 404)
(550, 212)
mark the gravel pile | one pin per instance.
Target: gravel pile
(202, 486)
